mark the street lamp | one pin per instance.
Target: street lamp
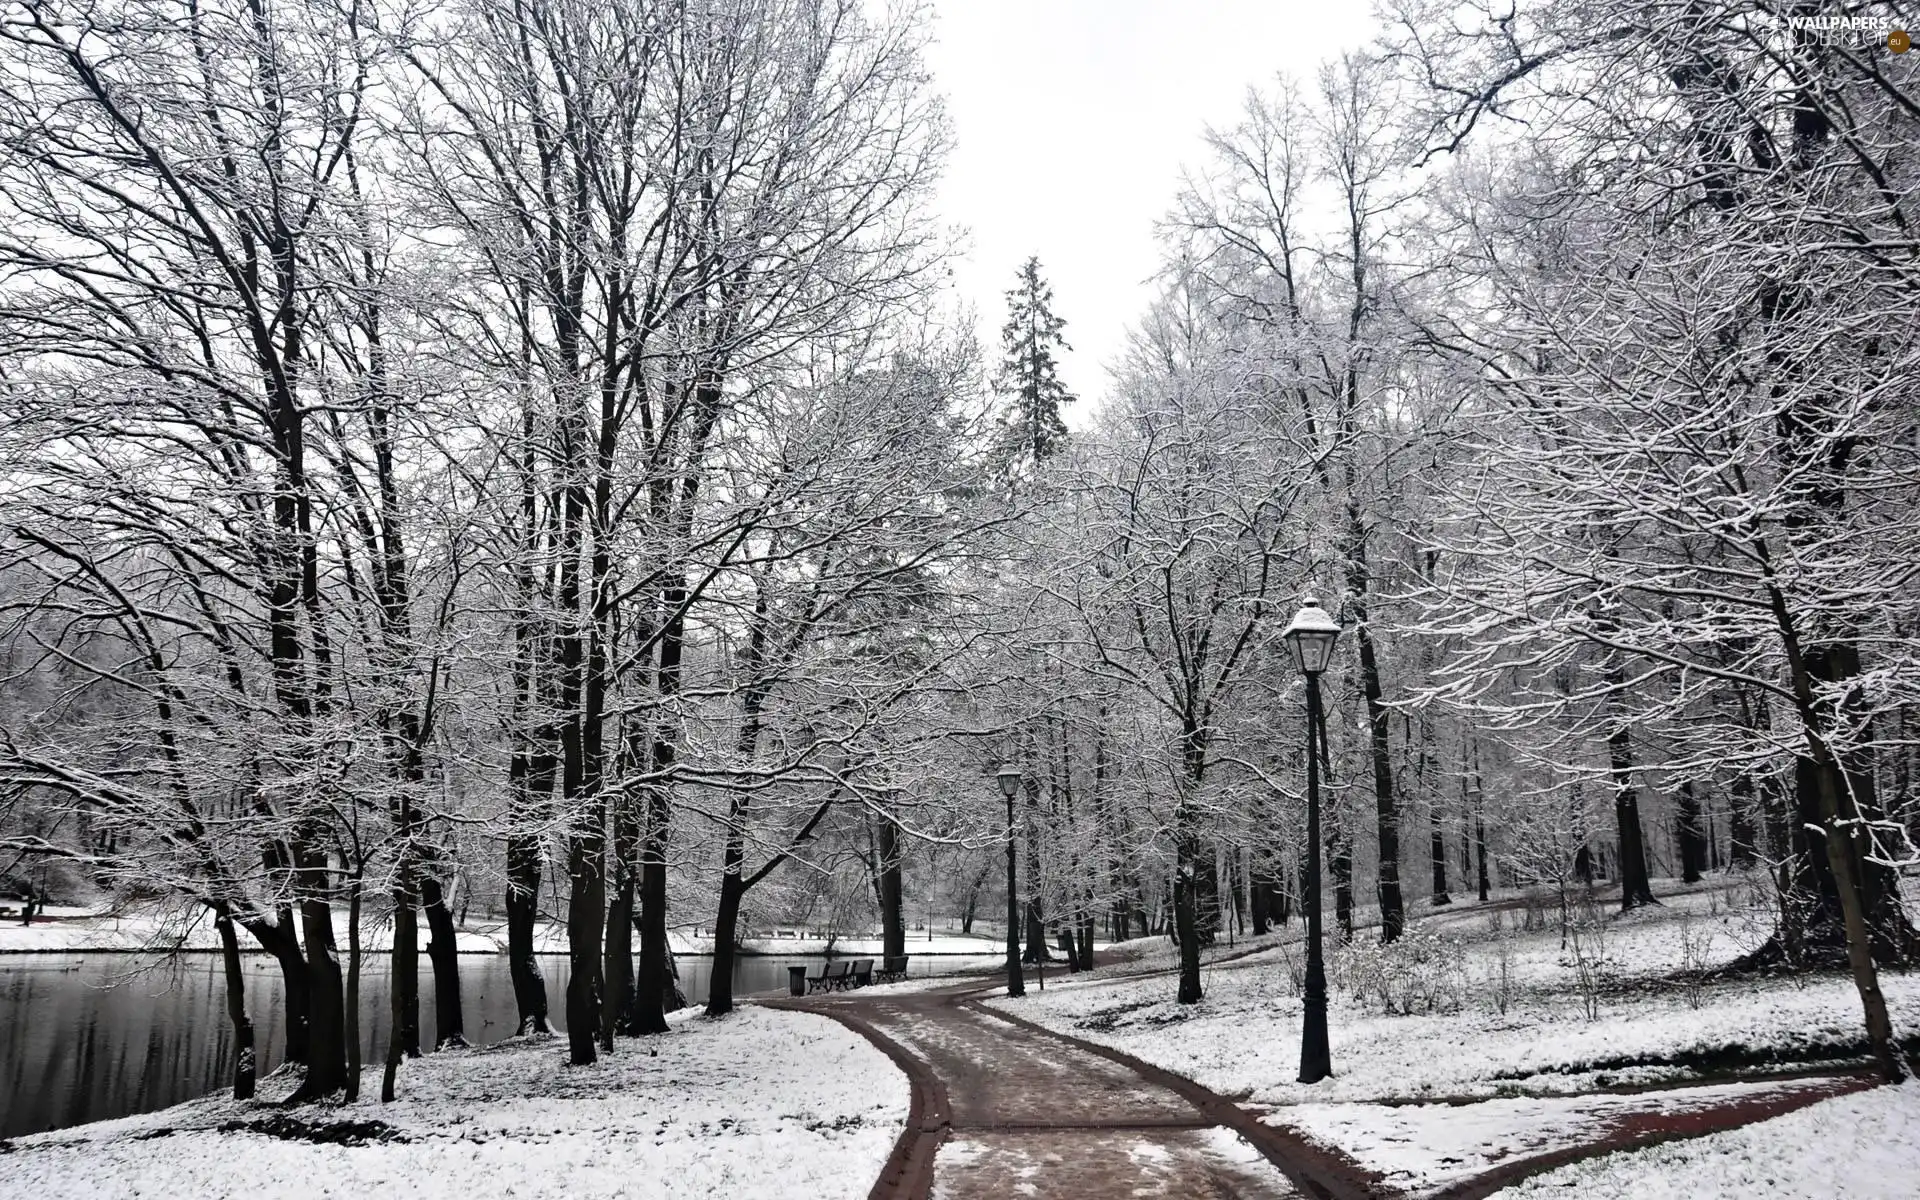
(1009, 780)
(1310, 637)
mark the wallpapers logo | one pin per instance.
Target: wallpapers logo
(1848, 29)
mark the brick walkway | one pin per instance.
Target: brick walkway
(1009, 1110)
(1005, 1108)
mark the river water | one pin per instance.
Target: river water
(87, 1037)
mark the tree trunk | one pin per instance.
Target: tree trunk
(1693, 841)
(586, 908)
(326, 1015)
(893, 930)
(650, 990)
(1257, 900)
(277, 938)
(1237, 886)
(405, 955)
(244, 1060)
(1855, 894)
(1742, 852)
(1340, 867)
(403, 1037)
(1186, 931)
(1393, 918)
(523, 909)
(672, 997)
(351, 1023)
(973, 898)
(1634, 887)
(617, 1012)
(1034, 948)
(443, 951)
(1439, 837)
(726, 927)
(649, 1011)
(1208, 911)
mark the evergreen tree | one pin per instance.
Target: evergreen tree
(1029, 371)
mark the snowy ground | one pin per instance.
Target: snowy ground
(62, 929)
(1530, 1034)
(1865, 1146)
(1515, 1031)
(1420, 1147)
(761, 1103)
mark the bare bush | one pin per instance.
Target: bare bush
(1422, 972)
(1586, 954)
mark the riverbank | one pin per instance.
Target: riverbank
(758, 1103)
(101, 1035)
(155, 930)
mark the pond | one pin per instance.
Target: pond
(88, 1037)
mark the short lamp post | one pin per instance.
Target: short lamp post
(1009, 780)
(1310, 638)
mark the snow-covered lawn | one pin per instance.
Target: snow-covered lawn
(761, 1103)
(1530, 1034)
(1865, 1147)
(1523, 1023)
(1420, 1147)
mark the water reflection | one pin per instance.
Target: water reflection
(84, 1038)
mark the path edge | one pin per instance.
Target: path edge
(1321, 1173)
(1719, 1119)
(908, 1172)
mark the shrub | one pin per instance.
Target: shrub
(1422, 972)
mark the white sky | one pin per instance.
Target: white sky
(1073, 120)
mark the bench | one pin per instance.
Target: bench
(833, 977)
(892, 970)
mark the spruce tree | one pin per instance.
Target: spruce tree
(1029, 372)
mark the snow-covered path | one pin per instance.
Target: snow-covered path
(1008, 1109)
(1033, 1097)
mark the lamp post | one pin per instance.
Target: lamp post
(1009, 780)
(1310, 638)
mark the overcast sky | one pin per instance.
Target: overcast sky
(1074, 119)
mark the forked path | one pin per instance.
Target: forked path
(1003, 1108)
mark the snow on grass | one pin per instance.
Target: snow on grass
(1419, 1147)
(761, 1103)
(1243, 1038)
(1865, 1146)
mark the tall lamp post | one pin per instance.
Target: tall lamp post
(1009, 780)
(1310, 638)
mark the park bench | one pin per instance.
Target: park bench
(892, 970)
(833, 977)
(826, 980)
(862, 973)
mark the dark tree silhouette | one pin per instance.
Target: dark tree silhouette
(1029, 370)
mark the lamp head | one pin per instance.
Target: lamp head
(1311, 635)
(1009, 779)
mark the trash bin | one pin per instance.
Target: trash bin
(797, 980)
